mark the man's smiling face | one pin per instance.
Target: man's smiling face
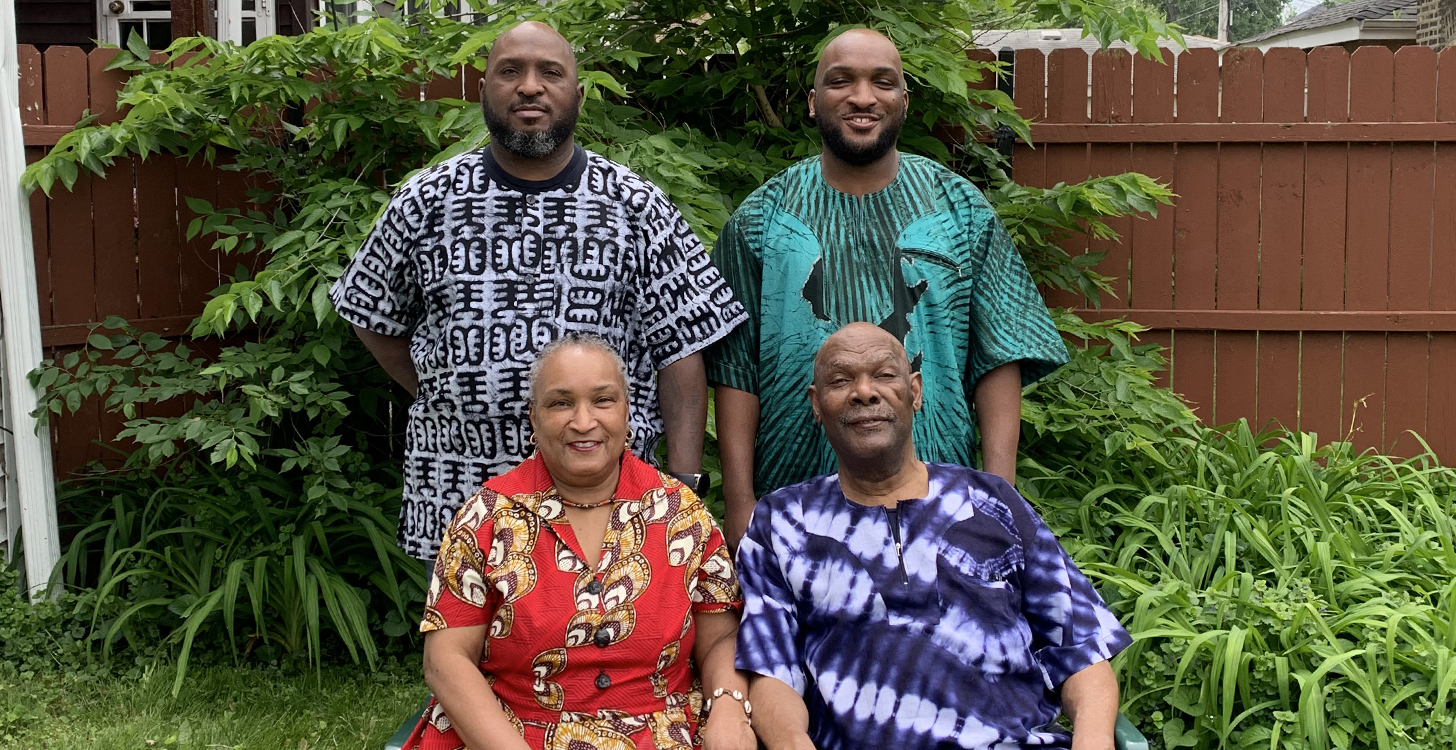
(859, 101)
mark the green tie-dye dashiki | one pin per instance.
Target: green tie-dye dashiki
(927, 259)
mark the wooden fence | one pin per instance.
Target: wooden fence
(1307, 274)
(113, 246)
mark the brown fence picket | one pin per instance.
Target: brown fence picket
(1029, 94)
(198, 266)
(1322, 405)
(1195, 234)
(1112, 103)
(159, 223)
(1367, 249)
(1067, 102)
(1151, 240)
(1281, 238)
(1411, 209)
(1237, 278)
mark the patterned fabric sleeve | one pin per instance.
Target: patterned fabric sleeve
(1071, 627)
(768, 635)
(459, 595)
(1009, 319)
(378, 290)
(685, 306)
(717, 588)
(733, 362)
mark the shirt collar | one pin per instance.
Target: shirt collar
(531, 487)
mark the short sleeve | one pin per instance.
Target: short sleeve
(768, 635)
(733, 361)
(379, 290)
(459, 595)
(1009, 318)
(1071, 627)
(716, 587)
(685, 306)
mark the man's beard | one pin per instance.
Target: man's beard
(833, 134)
(532, 145)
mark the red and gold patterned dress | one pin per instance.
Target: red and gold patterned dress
(582, 658)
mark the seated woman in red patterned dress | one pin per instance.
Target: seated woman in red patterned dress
(582, 599)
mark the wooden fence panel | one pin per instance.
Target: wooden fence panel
(1312, 230)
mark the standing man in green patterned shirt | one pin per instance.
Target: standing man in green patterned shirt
(865, 233)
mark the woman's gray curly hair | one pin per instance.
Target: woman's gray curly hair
(584, 340)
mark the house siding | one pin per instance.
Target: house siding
(47, 22)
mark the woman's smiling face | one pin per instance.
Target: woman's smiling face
(579, 415)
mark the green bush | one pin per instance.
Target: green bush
(44, 636)
(273, 563)
(1281, 594)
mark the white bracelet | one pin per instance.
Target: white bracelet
(735, 695)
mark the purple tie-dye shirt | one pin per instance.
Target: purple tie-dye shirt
(959, 640)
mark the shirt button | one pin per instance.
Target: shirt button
(602, 639)
(603, 681)
(595, 587)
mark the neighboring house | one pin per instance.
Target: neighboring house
(82, 23)
(1436, 23)
(1047, 40)
(1392, 23)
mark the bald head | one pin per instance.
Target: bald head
(537, 38)
(859, 47)
(865, 397)
(856, 341)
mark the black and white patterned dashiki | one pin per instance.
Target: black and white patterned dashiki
(962, 642)
(481, 269)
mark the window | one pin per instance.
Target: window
(239, 21)
(149, 19)
(245, 21)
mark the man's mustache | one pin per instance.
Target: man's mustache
(885, 413)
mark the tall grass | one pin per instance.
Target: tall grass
(192, 557)
(1281, 594)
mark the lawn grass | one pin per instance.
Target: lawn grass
(218, 708)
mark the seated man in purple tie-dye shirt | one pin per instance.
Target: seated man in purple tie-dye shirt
(899, 604)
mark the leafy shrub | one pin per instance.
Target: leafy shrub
(47, 635)
(277, 564)
(1281, 595)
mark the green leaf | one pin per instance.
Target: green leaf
(137, 46)
(322, 307)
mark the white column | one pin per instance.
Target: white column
(20, 312)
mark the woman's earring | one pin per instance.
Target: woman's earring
(532, 439)
(630, 434)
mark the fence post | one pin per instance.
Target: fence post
(30, 454)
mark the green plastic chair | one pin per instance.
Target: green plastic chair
(1125, 736)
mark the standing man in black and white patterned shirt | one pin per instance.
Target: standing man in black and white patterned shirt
(482, 260)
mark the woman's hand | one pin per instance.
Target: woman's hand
(727, 727)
